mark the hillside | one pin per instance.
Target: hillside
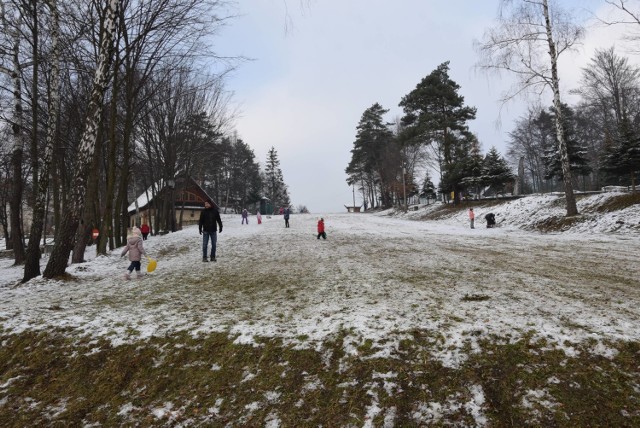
(389, 322)
(611, 212)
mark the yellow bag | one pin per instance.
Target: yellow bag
(151, 264)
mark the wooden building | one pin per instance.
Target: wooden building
(169, 206)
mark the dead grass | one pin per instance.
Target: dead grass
(618, 203)
(49, 379)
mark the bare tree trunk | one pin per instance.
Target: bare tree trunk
(64, 242)
(83, 235)
(106, 229)
(32, 262)
(571, 206)
(15, 202)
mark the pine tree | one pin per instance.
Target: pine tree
(577, 154)
(372, 151)
(623, 157)
(434, 110)
(275, 189)
(428, 188)
(495, 171)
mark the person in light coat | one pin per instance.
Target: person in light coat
(135, 249)
(472, 217)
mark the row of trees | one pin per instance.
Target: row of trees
(528, 40)
(101, 99)
(602, 131)
(594, 143)
(432, 133)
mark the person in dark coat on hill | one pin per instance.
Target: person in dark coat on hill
(209, 218)
(491, 220)
(286, 217)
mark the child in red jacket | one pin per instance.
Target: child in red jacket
(321, 229)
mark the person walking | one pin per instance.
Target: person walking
(286, 217)
(472, 217)
(145, 229)
(135, 249)
(209, 217)
(245, 216)
(321, 229)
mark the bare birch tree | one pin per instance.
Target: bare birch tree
(64, 241)
(32, 263)
(528, 41)
(11, 54)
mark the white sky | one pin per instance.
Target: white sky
(317, 65)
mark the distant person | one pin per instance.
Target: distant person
(491, 220)
(145, 229)
(286, 217)
(259, 217)
(135, 249)
(472, 217)
(209, 217)
(321, 229)
(245, 216)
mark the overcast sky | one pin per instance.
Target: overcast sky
(317, 65)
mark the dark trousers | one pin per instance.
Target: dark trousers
(205, 241)
(324, 235)
(134, 265)
(144, 236)
(286, 222)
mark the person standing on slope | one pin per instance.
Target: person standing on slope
(472, 217)
(321, 229)
(209, 217)
(135, 249)
(245, 216)
(286, 217)
(145, 229)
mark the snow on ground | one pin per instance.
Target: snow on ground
(377, 276)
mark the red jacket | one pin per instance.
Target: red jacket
(144, 228)
(320, 226)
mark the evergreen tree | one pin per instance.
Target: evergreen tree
(374, 153)
(275, 189)
(428, 188)
(578, 159)
(434, 110)
(495, 171)
(622, 158)
(463, 171)
(472, 168)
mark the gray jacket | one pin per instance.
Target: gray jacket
(135, 248)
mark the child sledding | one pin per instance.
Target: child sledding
(491, 220)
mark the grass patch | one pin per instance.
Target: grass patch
(49, 378)
(618, 203)
(557, 224)
(475, 298)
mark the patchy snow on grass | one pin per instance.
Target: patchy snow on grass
(373, 281)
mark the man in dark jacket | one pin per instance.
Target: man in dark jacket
(207, 224)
